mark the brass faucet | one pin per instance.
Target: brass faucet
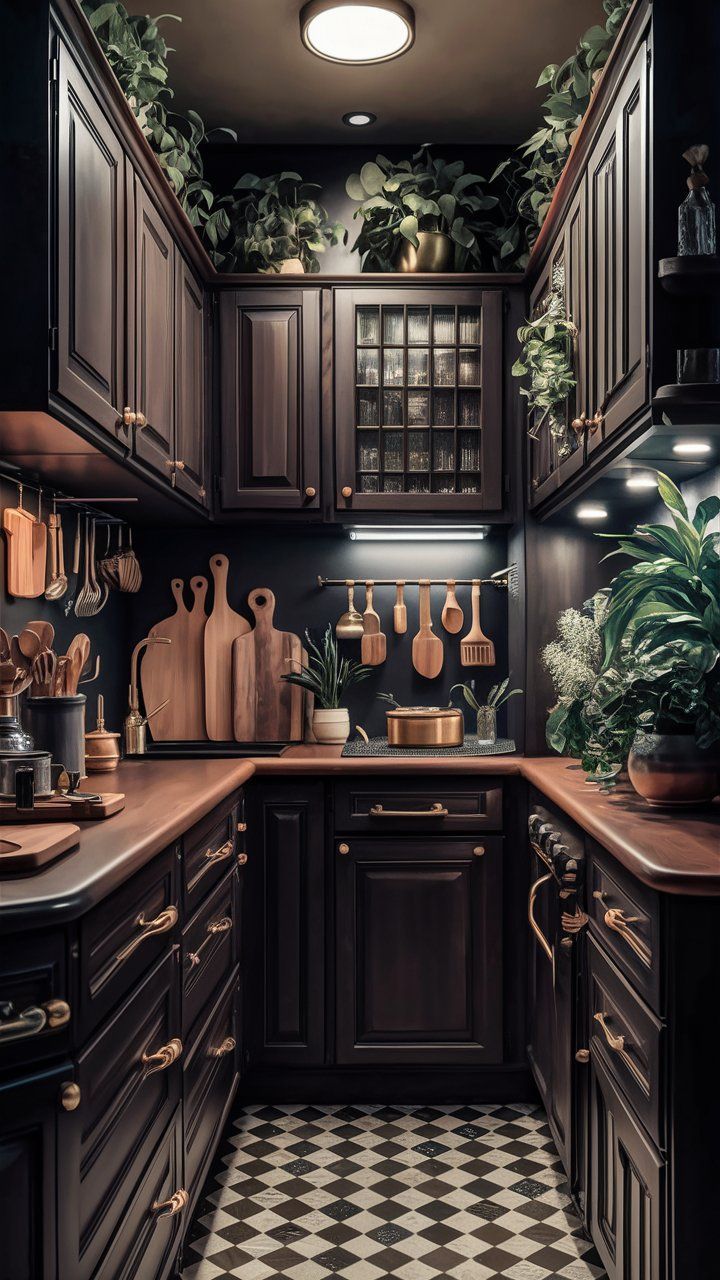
(135, 724)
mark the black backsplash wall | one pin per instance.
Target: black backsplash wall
(288, 562)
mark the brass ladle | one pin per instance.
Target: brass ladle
(349, 625)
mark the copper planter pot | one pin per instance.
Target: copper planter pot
(425, 727)
(669, 769)
(435, 253)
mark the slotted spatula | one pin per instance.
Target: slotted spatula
(475, 648)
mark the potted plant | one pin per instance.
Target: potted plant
(420, 214)
(328, 677)
(277, 225)
(486, 712)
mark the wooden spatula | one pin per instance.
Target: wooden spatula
(428, 653)
(373, 646)
(400, 609)
(475, 648)
(452, 615)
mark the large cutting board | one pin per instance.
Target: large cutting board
(26, 540)
(266, 708)
(175, 671)
(223, 626)
(29, 849)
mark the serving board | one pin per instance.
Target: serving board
(223, 626)
(65, 809)
(25, 553)
(28, 851)
(266, 708)
(176, 671)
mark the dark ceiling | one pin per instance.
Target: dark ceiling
(469, 77)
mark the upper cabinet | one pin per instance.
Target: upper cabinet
(418, 399)
(153, 291)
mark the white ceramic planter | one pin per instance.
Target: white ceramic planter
(331, 727)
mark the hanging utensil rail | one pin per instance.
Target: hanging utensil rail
(499, 579)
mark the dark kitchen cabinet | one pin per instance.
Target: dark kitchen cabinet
(418, 399)
(270, 398)
(29, 1111)
(419, 951)
(283, 937)
(153, 291)
(190, 386)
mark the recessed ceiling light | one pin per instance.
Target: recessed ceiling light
(691, 448)
(591, 512)
(643, 480)
(368, 31)
(359, 118)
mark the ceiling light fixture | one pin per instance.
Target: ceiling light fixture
(359, 118)
(643, 480)
(591, 512)
(419, 533)
(691, 448)
(360, 32)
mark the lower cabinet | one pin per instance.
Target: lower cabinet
(29, 1110)
(210, 1078)
(419, 951)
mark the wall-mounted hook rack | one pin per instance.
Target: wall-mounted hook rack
(501, 578)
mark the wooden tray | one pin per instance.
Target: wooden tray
(64, 809)
(28, 851)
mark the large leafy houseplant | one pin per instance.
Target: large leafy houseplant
(274, 220)
(547, 360)
(399, 199)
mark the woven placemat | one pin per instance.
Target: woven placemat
(472, 746)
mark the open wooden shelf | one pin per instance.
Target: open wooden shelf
(691, 275)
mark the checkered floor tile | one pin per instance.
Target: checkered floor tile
(469, 1192)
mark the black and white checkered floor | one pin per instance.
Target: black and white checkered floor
(470, 1192)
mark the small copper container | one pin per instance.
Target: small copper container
(425, 727)
(102, 749)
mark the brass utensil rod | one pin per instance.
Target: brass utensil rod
(495, 581)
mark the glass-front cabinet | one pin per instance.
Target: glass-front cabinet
(418, 399)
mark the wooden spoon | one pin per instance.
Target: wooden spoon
(4, 645)
(452, 615)
(475, 648)
(400, 609)
(428, 653)
(30, 645)
(45, 632)
(373, 646)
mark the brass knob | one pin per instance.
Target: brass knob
(127, 417)
(479, 850)
(596, 422)
(70, 1096)
(226, 1047)
(242, 826)
(140, 419)
(242, 859)
(310, 492)
(579, 424)
(582, 1055)
(599, 895)
(202, 492)
(343, 848)
(346, 491)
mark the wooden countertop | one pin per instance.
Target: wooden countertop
(330, 760)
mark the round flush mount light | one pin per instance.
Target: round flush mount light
(357, 119)
(692, 448)
(357, 32)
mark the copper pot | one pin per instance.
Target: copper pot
(435, 253)
(670, 769)
(425, 727)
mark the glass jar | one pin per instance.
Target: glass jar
(487, 724)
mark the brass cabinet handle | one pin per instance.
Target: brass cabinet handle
(479, 850)
(34, 1019)
(534, 890)
(70, 1095)
(242, 826)
(223, 925)
(617, 1044)
(582, 1056)
(219, 855)
(168, 1208)
(435, 811)
(616, 920)
(148, 929)
(163, 1057)
(343, 848)
(310, 492)
(594, 424)
(346, 491)
(579, 424)
(226, 1047)
(177, 464)
(242, 859)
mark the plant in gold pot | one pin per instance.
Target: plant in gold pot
(277, 225)
(328, 677)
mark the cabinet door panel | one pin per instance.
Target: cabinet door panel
(284, 897)
(270, 389)
(419, 975)
(154, 335)
(29, 1111)
(190, 434)
(90, 253)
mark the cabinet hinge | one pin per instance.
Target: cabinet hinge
(52, 338)
(647, 356)
(649, 56)
(54, 78)
(54, 73)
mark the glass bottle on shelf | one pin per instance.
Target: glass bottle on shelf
(696, 216)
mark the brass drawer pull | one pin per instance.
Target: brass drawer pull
(226, 1047)
(161, 924)
(534, 890)
(168, 1208)
(435, 811)
(219, 855)
(223, 925)
(34, 1019)
(616, 920)
(163, 1057)
(617, 1044)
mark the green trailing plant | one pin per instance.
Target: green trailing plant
(399, 199)
(276, 218)
(547, 361)
(325, 674)
(137, 53)
(496, 696)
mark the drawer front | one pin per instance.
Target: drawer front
(125, 936)
(210, 1078)
(36, 1014)
(209, 950)
(626, 918)
(628, 1039)
(129, 1079)
(149, 1232)
(448, 806)
(209, 852)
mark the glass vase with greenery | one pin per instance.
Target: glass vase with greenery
(275, 220)
(486, 711)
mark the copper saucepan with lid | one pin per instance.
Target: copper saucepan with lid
(425, 727)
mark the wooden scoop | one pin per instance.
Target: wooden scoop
(373, 646)
(400, 609)
(428, 653)
(349, 625)
(475, 648)
(452, 615)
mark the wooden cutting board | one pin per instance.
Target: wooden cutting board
(223, 627)
(27, 851)
(22, 571)
(266, 708)
(175, 671)
(65, 809)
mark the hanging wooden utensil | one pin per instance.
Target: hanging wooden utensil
(266, 708)
(475, 648)
(349, 625)
(223, 627)
(373, 647)
(18, 527)
(400, 609)
(452, 615)
(428, 653)
(39, 551)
